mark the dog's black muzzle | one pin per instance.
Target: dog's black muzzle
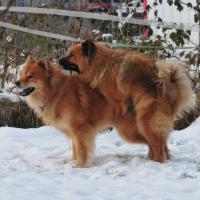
(26, 91)
(66, 65)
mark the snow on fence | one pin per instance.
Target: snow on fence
(106, 17)
(87, 15)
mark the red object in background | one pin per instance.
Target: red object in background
(146, 32)
(145, 9)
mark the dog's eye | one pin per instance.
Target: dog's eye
(30, 76)
(71, 55)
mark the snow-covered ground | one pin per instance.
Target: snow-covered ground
(31, 167)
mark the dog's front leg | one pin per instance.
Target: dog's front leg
(74, 156)
(84, 145)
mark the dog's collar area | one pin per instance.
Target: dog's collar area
(26, 91)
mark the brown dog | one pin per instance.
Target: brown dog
(72, 106)
(158, 90)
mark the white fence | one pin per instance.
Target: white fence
(106, 17)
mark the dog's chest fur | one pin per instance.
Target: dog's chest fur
(48, 115)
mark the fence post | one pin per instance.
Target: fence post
(198, 56)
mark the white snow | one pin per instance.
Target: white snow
(10, 96)
(107, 35)
(32, 167)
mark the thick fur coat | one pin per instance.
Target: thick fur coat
(157, 91)
(72, 106)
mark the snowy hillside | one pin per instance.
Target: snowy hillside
(31, 167)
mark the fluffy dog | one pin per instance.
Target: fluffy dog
(158, 90)
(72, 106)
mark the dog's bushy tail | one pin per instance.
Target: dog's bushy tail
(175, 85)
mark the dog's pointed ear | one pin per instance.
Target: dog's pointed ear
(41, 63)
(44, 64)
(88, 48)
(30, 59)
(47, 64)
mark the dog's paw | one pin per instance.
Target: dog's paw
(82, 165)
(69, 160)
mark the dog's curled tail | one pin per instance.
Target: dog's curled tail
(175, 85)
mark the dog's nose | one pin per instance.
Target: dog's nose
(61, 61)
(17, 83)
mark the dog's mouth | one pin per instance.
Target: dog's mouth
(26, 91)
(66, 65)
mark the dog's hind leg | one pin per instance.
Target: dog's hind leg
(150, 154)
(157, 146)
(167, 153)
(155, 127)
(127, 128)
